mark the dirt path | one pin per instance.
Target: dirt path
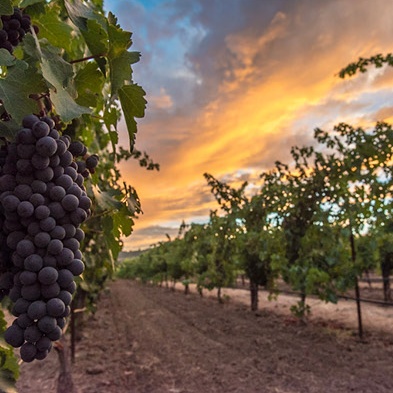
(152, 340)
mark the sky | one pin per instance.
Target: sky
(232, 85)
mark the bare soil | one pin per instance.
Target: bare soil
(146, 339)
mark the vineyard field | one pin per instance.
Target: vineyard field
(146, 339)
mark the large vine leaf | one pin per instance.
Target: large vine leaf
(57, 32)
(6, 59)
(90, 24)
(133, 104)
(89, 82)
(6, 7)
(120, 59)
(26, 3)
(15, 88)
(120, 69)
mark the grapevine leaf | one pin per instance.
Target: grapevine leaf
(106, 200)
(91, 25)
(96, 38)
(6, 59)
(79, 13)
(89, 82)
(58, 73)
(119, 39)
(8, 129)
(54, 29)
(6, 7)
(26, 3)
(133, 104)
(20, 81)
(54, 69)
(123, 221)
(65, 105)
(120, 69)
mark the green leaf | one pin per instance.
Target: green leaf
(59, 74)
(6, 59)
(20, 82)
(133, 104)
(89, 82)
(8, 129)
(57, 32)
(6, 7)
(106, 200)
(120, 69)
(65, 105)
(119, 39)
(9, 369)
(54, 68)
(96, 38)
(26, 3)
(91, 25)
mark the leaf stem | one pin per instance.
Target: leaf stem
(87, 58)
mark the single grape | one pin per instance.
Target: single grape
(76, 267)
(44, 344)
(28, 277)
(76, 148)
(25, 209)
(70, 202)
(25, 248)
(32, 334)
(39, 161)
(55, 247)
(47, 324)
(55, 334)
(38, 186)
(37, 310)
(24, 321)
(46, 146)
(57, 193)
(47, 224)
(65, 296)
(28, 352)
(20, 307)
(41, 212)
(29, 121)
(50, 291)
(48, 275)
(58, 232)
(55, 307)
(14, 336)
(31, 292)
(33, 263)
(65, 257)
(42, 239)
(65, 278)
(40, 129)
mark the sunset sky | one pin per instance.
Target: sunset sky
(233, 84)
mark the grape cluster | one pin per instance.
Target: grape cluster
(43, 202)
(15, 27)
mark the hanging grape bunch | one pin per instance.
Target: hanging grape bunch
(43, 202)
(15, 27)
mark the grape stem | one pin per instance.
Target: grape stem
(87, 58)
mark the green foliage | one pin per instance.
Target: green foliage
(362, 64)
(9, 370)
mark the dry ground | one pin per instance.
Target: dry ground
(146, 339)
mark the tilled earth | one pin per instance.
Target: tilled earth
(146, 339)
